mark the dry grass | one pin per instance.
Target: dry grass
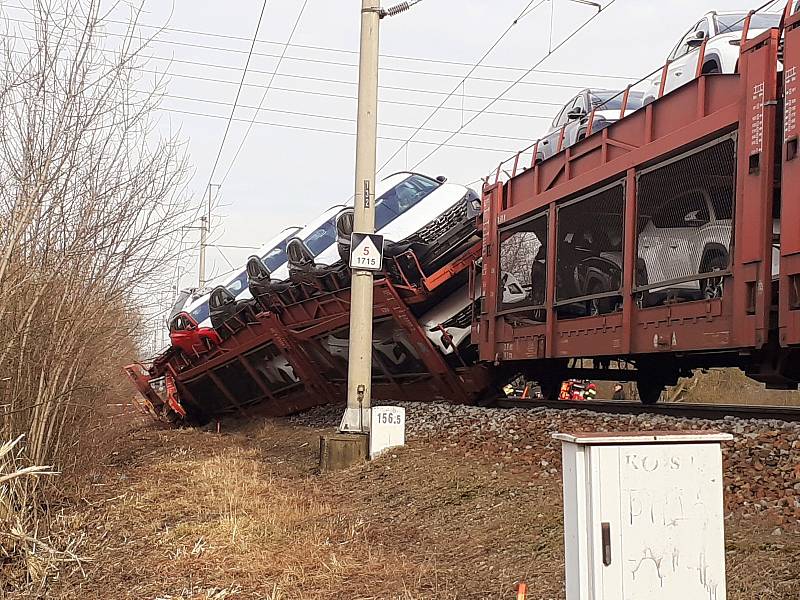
(732, 386)
(31, 553)
(193, 514)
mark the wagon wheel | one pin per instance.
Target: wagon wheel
(650, 389)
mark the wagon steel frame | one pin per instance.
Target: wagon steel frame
(665, 341)
(292, 332)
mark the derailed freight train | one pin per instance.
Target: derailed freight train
(284, 342)
(667, 240)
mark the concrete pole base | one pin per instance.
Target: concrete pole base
(355, 420)
(342, 450)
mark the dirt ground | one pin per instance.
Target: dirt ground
(244, 514)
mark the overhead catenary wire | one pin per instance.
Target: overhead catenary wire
(347, 97)
(352, 120)
(525, 11)
(331, 131)
(345, 82)
(238, 93)
(510, 87)
(329, 49)
(207, 65)
(264, 95)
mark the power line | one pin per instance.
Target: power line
(344, 82)
(346, 97)
(544, 58)
(207, 65)
(233, 247)
(386, 69)
(238, 92)
(471, 71)
(331, 131)
(317, 48)
(266, 91)
(352, 120)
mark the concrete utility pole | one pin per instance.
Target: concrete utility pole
(359, 374)
(203, 237)
(205, 229)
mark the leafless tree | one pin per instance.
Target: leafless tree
(91, 204)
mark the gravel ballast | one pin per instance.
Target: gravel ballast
(761, 464)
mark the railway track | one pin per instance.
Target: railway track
(675, 409)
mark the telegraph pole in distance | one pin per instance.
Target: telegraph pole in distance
(205, 229)
(359, 374)
(203, 238)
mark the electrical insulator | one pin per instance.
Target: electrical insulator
(399, 8)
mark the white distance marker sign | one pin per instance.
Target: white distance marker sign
(387, 429)
(366, 251)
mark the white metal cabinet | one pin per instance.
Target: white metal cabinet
(643, 516)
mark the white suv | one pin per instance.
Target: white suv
(723, 30)
(448, 325)
(416, 205)
(689, 235)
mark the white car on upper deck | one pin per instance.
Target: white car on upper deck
(414, 204)
(722, 32)
(273, 253)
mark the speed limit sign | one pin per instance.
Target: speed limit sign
(366, 251)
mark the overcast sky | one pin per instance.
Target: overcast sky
(294, 167)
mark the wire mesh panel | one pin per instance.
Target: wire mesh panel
(589, 251)
(685, 210)
(523, 274)
(273, 367)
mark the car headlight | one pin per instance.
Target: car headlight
(474, 206)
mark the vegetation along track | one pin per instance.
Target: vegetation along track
(673, 409)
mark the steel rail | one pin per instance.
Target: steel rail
(671, 409)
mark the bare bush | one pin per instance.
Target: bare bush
(91, 203)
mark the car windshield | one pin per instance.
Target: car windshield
(238, 284)
(200, 313)
(401, 197)
(321, 238)
(276, 257)
(180, 301)
(735, 22)
(613, 100)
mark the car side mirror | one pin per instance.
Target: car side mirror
(441, 178)
(576, 113)
(698, 40)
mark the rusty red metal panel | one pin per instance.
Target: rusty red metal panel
(683, 327)
(552, 280)
(151, 402)
(686, 118)
(451, 270)
(637, 139)
(490, 271)
(589, 336)
(629, 262)
(754, 190)
(789, 285)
